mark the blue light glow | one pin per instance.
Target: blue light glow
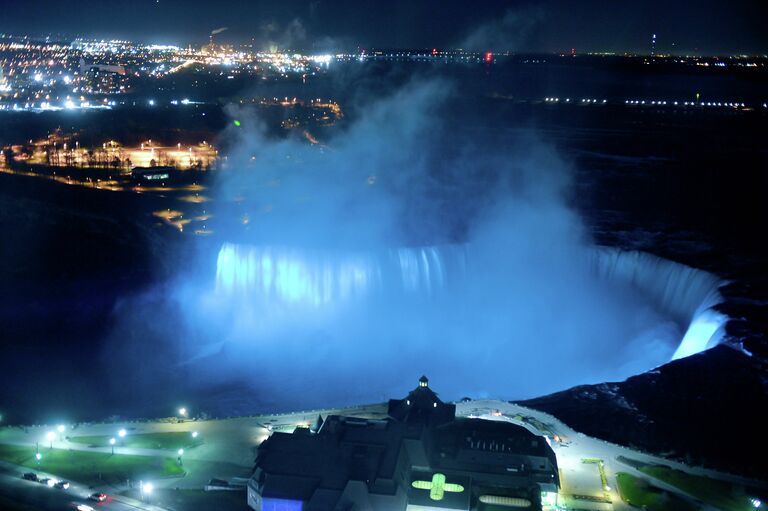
(319, 278)
(268, 504)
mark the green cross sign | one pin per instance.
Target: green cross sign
(437, 487)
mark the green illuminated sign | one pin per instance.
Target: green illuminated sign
(437, 487)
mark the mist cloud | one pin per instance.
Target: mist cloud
(508, 33)
(405, 243)
(276, 36)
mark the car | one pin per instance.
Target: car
(98, 497)
(62, 485)
(30, 476)
(46, 480)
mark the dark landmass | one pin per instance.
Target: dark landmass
(704, 410)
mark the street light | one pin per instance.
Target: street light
(61, 428)
(183, 412)
(50, 436)
(146, 489)
(194, 434)
(112, 443)
(121, 433)
(38, 457)
(181, 453)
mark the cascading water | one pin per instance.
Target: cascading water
(317, 279)
(686, 293)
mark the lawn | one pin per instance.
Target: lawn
(168, 441)
(720, 494)
(639, 493)
(91, 467)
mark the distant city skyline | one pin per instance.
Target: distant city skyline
(706, 28)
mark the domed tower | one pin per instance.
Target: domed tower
(421, 405)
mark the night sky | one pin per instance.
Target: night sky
(702, 27)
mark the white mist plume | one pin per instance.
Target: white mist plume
(404, 245)
(507, 33)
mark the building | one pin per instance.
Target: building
(422, 457)
(153, 174)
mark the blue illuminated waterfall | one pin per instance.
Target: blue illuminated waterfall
(685, 293)
(316, 279)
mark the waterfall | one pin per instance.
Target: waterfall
(322, 277)
(686, 293)
(314, 278)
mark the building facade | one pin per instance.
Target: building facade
(422, 457)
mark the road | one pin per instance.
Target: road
(39, 496)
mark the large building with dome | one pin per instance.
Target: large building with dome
(421, 457)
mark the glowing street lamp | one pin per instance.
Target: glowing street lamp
(122, 433)
(38, 457)
(61, 428)
(146, 489)
(183, 412)
(181, 453)
(112, 443)
(50, 436)
(194, 434)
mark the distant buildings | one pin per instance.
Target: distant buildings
(420, 458)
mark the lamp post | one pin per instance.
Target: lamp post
(112, 443)
(146, 490)
(50, 436)
(181, 453)
(183, 412)
(38, 457)
(122, 434)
